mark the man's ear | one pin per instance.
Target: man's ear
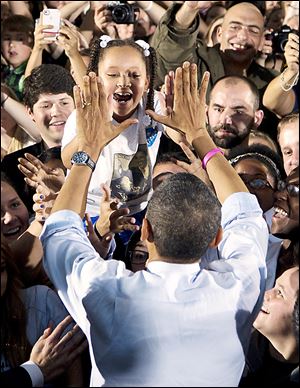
(258, 117)
(146, 231)
(217, 239)
(219, 34)
(206, 114)
(29, 111)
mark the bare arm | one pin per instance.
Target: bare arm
(275, 98)
(74, 6)
(188, 11)
(68, 151)
(19, 8)
(18, 111)
(188, 116)
(40, 44)
(69, 41)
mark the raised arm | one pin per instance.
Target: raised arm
(40, 44)
(18, 111)
(20, 8)
(279, 96)
(188, 116)
(94, 131)
(188, 12)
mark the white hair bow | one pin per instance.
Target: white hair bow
(145, 46)
(104, 39)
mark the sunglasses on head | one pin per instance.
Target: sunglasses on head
(292, 190)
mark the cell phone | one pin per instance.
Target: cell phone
(51, 16)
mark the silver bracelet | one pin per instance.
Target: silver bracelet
(286, 87)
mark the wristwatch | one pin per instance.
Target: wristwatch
(81, 158)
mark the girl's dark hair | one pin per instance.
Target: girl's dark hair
(258, 152)
(98, 52)
(19, 23)
(14, 342)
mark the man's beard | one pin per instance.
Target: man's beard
(230, 141)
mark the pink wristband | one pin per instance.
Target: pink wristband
(209, 155)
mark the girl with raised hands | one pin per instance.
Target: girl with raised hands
(127, 70)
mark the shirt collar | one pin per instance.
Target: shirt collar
(164, 267)
(20, 69)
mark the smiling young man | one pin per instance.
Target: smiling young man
(48, 97)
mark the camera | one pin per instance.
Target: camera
(280, 38)
(122, 13)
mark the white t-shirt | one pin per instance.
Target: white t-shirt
(126, 163)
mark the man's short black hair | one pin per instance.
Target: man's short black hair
(47, 79)
(185, 216)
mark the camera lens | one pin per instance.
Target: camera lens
(46, 12)
(283, 43)
(120, 14)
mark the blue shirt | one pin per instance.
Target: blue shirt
(173, 324)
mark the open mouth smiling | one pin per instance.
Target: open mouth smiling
(122, 98)
(280, 213)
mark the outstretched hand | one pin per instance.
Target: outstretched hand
(112, 219)
(54, 352)
(188, 115)
(38, 174)
(93, 116)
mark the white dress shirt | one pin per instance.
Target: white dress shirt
(173, 324)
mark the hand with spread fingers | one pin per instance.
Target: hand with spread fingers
(54, 352)
(112, 219)
(188, 115)
(38, 174)
(43, 203)
(92, 108)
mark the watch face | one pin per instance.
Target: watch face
(80, 157)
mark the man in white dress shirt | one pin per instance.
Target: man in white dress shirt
(173, 324)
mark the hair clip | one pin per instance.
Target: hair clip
(145, 46)
(104, 39)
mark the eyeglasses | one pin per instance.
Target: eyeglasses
(257, 183)
(138, 256)
(291, 189)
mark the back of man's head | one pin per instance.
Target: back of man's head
(185, 216)
(47, 79)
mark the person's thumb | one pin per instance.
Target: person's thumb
(156, 117)
(125, 124)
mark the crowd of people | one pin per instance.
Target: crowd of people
(150, 193)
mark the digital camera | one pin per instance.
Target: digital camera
(122, 13)
(280, 38)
